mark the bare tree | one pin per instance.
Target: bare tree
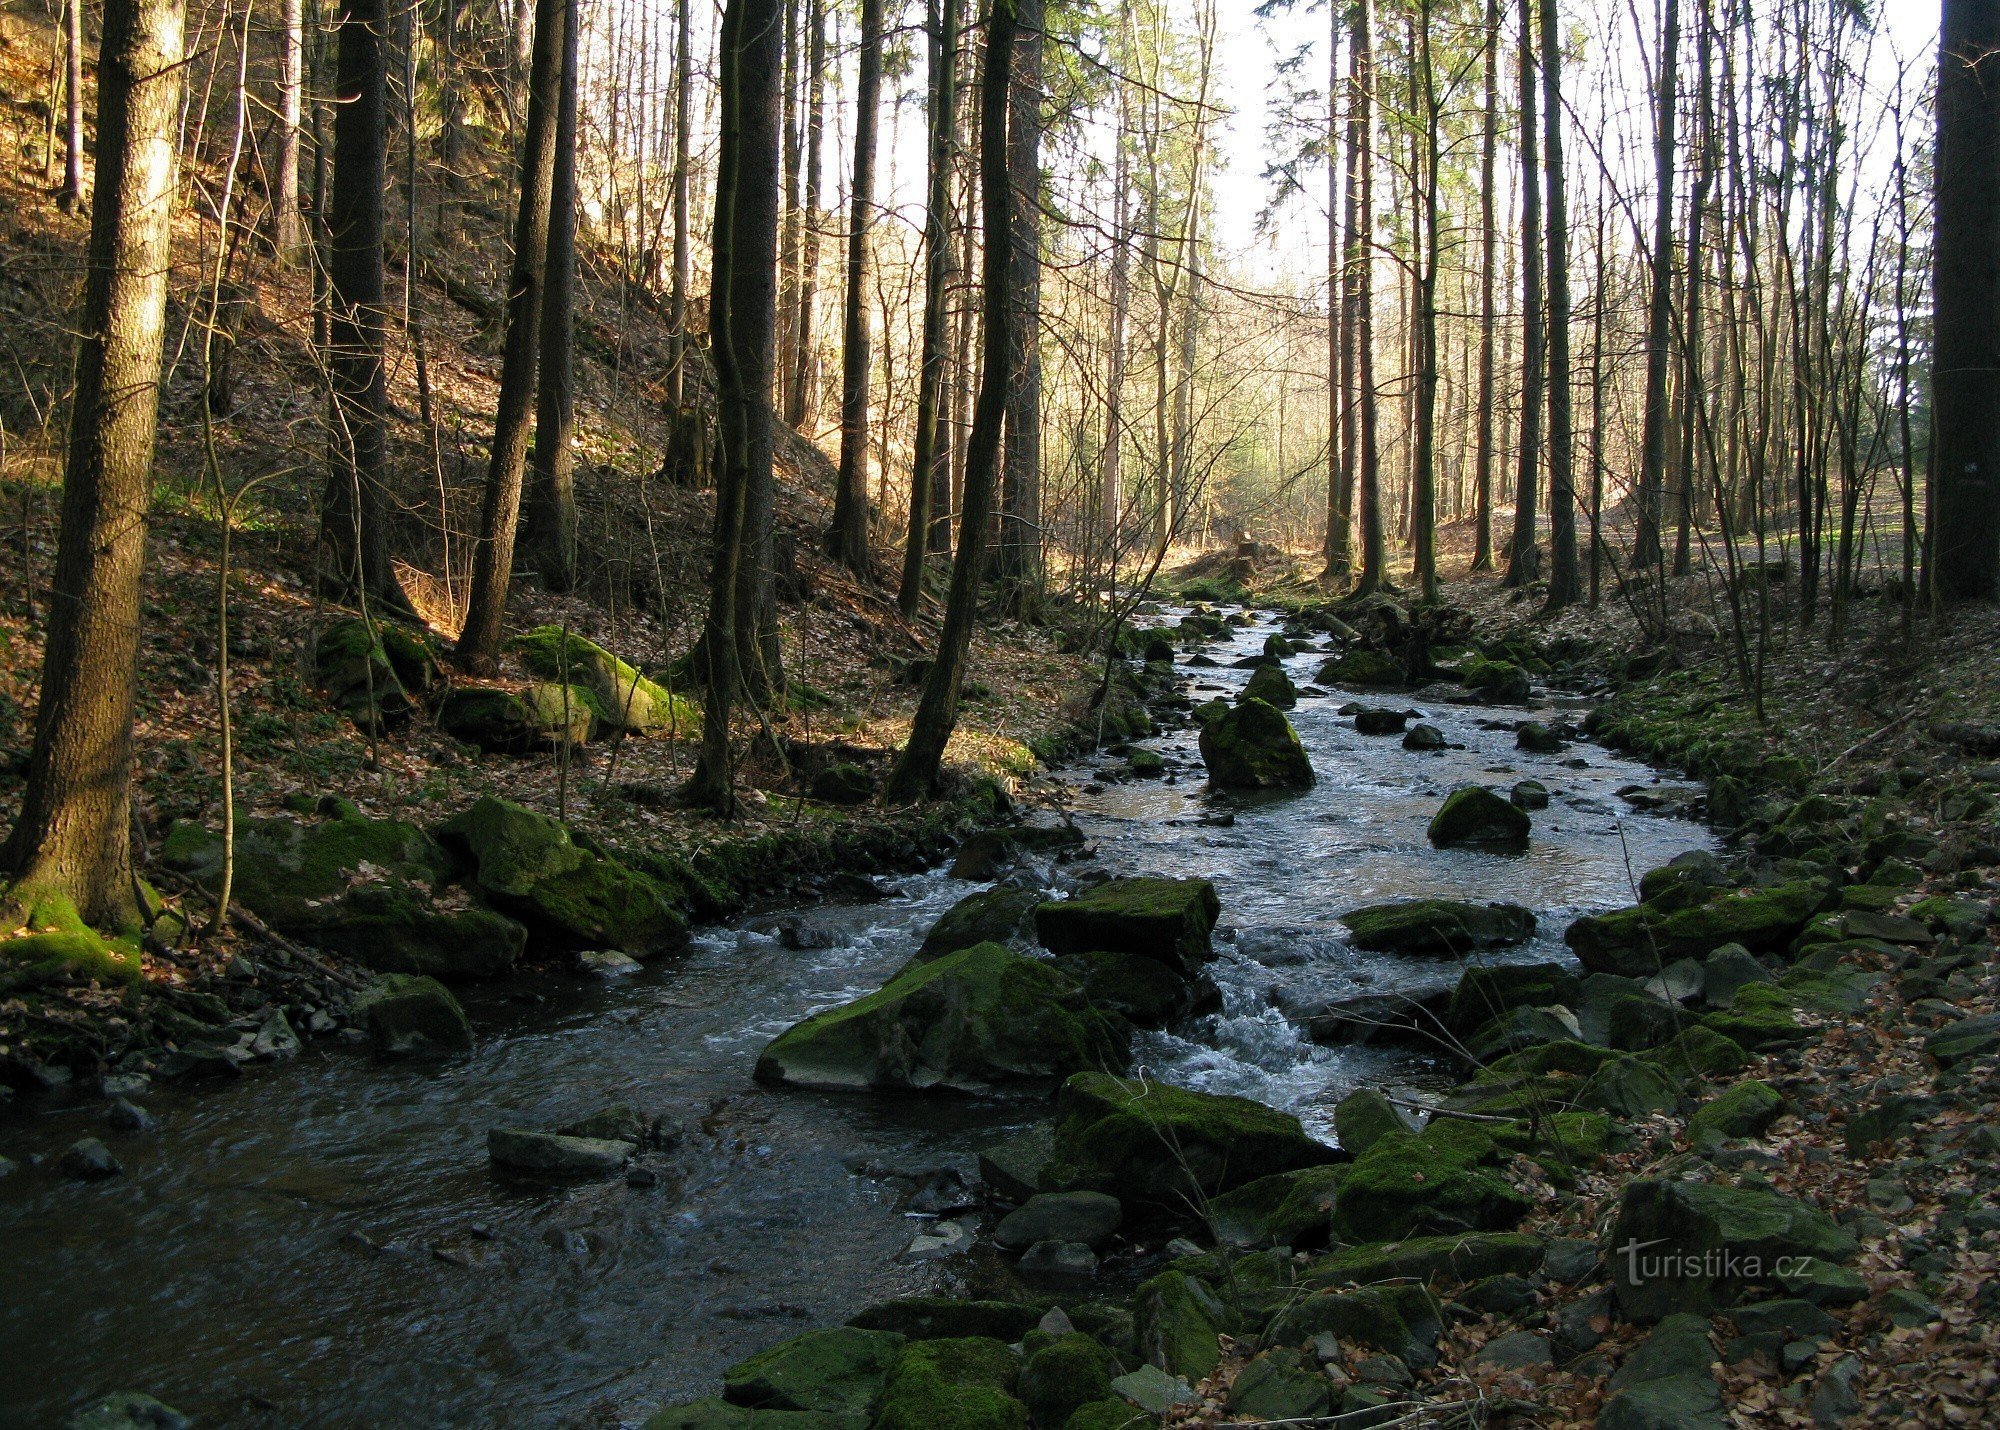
(1646, 550)
(551, 512)
(1523, 556)
(1020, 564)
(1565, 580)
(72, 186)
(847, 538)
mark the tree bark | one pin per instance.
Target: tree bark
(73, 838)
(799, 380)
(847, 538)
(288, 234)
(1423, 484)
(1965, 557)
(916, 769)
(928, 475)
(683, 169)
(1523, 556)
(1565, 583)
(1659, 309)
(552, 494)
(1489, 243)
(493, 559)
(1361, 250)
(72, 188)
(1021, 467)
(1334, 544)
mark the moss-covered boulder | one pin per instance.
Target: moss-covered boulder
(376, 676)
(713, 1413)
(961, 1384)
(1179, 1323)
(1475, 815)
(983, 1020)
(1276, 1386)
(1167, 1147)
(1745, 1110)
(997, 915)
(1144, 991)
(1165, 919)
(1760, 1016)
(1500, 681)
(379, 891)
(1694, 1246)
(841, 1371)
(1486, 991)
(1290, 1209)
(408, 1015)
(1402, 1321)
(844, 784)
(927, 1318)
(1364, 1117)
(1253, 746)
(988, 853)
(617, 693)
(1270, 684)
(1362, 670)
(1629, 1087)
(1638, 941)
(1442, 927)
(1446, 1179)
(1460, 1257)
(1060, 1378)
(566, 889)
(517, 722)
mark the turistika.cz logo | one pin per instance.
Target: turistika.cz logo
(1716, 1264)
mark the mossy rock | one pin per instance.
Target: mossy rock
(1708, 1244)
(1179, 1324)
(1475, 815)
(378, 677)
(1487, 990)
(1958, 918)
(1253, 746)
(1165, 919)
(957, 1384)
(1745, 1110)
(844, 784)
(1167, 1147)
(1292, 1209)
(1760, 1016)
(1144, 991)
(1517, 1029)
(617, 693)
(1402, 1321)
(569, 893)
(1628, 1087)
(378, 891)
(1063, 1376)
(1270, 684)
(1110, 1413)
(1699, 1052)
(983, 1020)
(1364, 1117)
(517, 722)
(841, 1371)
(406, 1015)
(1500, 681)
(1362, 670)
(711, 1413)
(1459, 1257)
(54, 945)
(1637, 942)
(1565, 1055)
(1144, 764)
(997, 915)
(987, 853)
(1440, 927)
(930, 1318)
(1445, 1179)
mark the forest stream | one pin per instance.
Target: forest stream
(325, 1244)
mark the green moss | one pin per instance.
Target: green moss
(958, 1384)
(1108, 1414)
(1362, 670)
(1464, 1256)
(1165, 919)
(840, 1371)
(996, 915)
(1142, 990)
(927, 1318)
(1444, 927)
(1441, 1180)
(1270, 684)
(1060, 1378)
(1637, 942)
(617, 694)
(1253, 746)
(1500, 680)
(1179, 1325)
(1565, 1056)
(1698, 1052)
(1745, 1110)
(1473, 814)
(1290, 1209)
(1759, 1016)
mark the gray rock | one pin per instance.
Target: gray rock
(89, 1160)
(1667, 1383)
(1153, 1390)
(275, 1039)
(1383, 1369)
(1836, 1397)
(551, 1154)
(1088, 1217)
(944, 1239)
(1055, 1323)
(1569, 1259)
(607, 963)
(1792, 1319)
(1729, 968)
(1058, 1258)
(1013, 1168)
(1517, 1350)
(1424, 737)
(1681, 981)
(1269, 1389)
(410, 1014)
(1528, 794)
(128, 1116)
(127, 1410)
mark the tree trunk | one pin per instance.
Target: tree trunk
(916, 769)
(72, 188)
(287, 232)
(493, 559)
(1489, 243)
(354, 521)
(552, 494)
(72, 841)
(847, 538)
(799, 380)
(1523, 556)
(1565, 580)
(742, 313)
(1021, 469)
(1334, 545)
(1423, 484)
(928, 473)
(1111, 467)
(1965, 556)
(1361, 255)
(683, 169)
(1659, 310)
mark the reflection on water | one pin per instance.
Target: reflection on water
(325, 1245)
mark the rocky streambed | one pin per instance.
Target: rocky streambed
(332, 1244)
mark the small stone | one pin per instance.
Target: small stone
(1058, 1258)
(128, 1116)
(1383, 1370)
(607, 963)
(1528, 794)
(1835, 1399)
(1424, 737)
(240, 968)
(1055, 1323)
(1795, 1356)
(1517, 1350)
(1180, 1246)
(127, 1410)
(117, 1085)
(1153, 1390)
(1326, 1348)
(1889, 1196)
(1569, 1259)
(275, 1038)
(89, 1160)
(1907, 1309)
(946, 1238)
(551, 1154)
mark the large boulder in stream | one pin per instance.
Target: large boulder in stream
(375, 890)
(1270, 684)
(1164, 1148)
(569, 892)
(983, 1020)
(1473, 814)
(407, 1016)
(997, 915)
(1689, 922)
(1362, 669)
(618, 695)
(1253, 746)
(1444, 927)
(1168, 920)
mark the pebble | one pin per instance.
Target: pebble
(89, 1160)
(128, 1116)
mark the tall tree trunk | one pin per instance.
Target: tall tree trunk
(928, 471)
(788, 219)
(72, 187)
(1489, 242)
(493, 559)
(1646, 549)
(354, 520)
(683, 172)
(551, 513)
(1021, 468)
(1361, 250)
(1523, 556)
(1693, 413)
(1423, 484)
(72, 841)
(742, 313)
(1965, 555)
(1111, 467)
(916, 769)
(799, 380)
(1334, 545)
(287, 233)
(1565, 579)
(847, 538)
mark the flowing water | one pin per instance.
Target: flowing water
(323, 1244)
